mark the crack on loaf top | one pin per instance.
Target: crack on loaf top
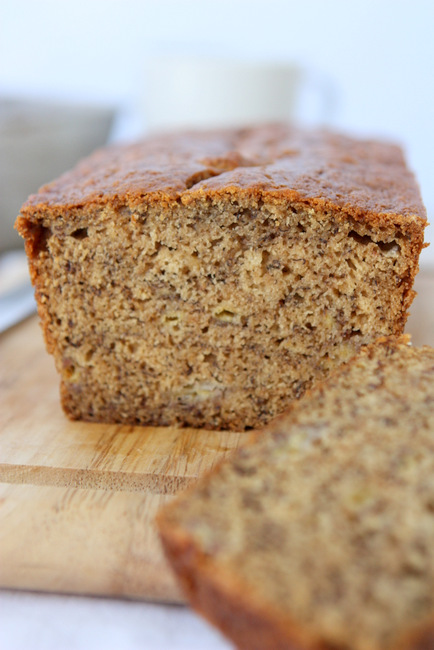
(217, 165)
(361, 177)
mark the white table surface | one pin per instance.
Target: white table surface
(30, 621)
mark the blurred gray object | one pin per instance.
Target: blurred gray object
(16, 292)
(38, 142)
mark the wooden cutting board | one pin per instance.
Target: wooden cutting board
(77, 500)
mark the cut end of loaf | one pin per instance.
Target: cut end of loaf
(217, 314)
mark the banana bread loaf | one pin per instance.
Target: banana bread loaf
(207, 279)
(319, 533)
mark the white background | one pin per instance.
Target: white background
(379, 54)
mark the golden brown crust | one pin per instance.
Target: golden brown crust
(366, 179)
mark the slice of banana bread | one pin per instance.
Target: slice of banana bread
(207, 279)
(319, 534)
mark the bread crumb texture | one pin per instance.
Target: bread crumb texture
(325, 523)
(207, 279)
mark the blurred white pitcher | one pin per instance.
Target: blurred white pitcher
(182, 92)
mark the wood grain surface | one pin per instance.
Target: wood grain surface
(78, 500)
